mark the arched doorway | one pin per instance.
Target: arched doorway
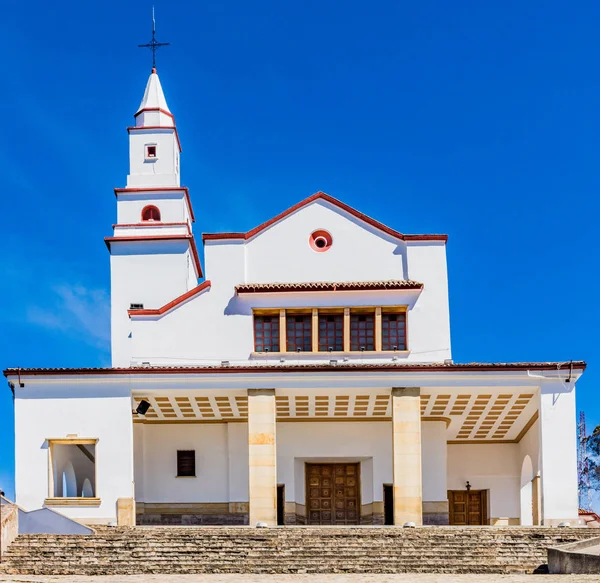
(69, 482)
(87, 490)
(527, 492)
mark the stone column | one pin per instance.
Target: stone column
(406, 453)
(262, 456)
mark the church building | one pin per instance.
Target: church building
(307, 379)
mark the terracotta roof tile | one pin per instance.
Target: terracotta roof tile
(310, 286)
(310, 367)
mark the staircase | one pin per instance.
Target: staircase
(162, 550)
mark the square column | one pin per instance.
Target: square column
(558, 453)
(262, 457)
(406, 454)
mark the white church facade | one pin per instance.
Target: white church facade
(308, 379)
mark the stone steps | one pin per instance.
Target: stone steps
(161, 550)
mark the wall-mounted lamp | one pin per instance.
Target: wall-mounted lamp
(142, 408)
(468, 486)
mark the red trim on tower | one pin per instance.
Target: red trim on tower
(182, 298)
(162, 189)
(153, 224)
(322, 196)
(140, 238)
(141, 128)
(160, 109)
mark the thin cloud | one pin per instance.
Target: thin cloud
(79, 311)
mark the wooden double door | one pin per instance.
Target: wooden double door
(467, 507)
(333, 493)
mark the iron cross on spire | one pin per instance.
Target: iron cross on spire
(153, 45)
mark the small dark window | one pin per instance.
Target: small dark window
(150, 213)
(150, 151)
(362, 332)
(266, 333)
(299, 333)
(186, 463)
(331, 332)
(393, 331)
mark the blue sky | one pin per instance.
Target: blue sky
(476, 119)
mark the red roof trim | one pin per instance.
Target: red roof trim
(162, 189)
(153, 224)
(215, 369)
(156, 109)
(326, 286)
(142, 128)
(218, 236)
(139, 238)
(182, 298)
(323, 196)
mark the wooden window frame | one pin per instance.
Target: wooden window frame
(307, 318)
(270, 314)
(357, 313)
(327, 313)
(394, 312)
(377, 311)
(53, 500)
(186, 451)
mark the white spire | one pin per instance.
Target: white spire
(154, 98)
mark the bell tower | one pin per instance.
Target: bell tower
(153, 254)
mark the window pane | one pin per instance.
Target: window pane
(331, 333)
(186, 463)
(362, 330)
(393, 331)
(266, 333)
(299, 333)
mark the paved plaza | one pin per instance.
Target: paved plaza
(354, 578)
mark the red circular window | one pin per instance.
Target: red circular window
(320, 241)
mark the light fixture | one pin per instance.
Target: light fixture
(142, 408)
(468, 486)
(224, 363)
(333, 362)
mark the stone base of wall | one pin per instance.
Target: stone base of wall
(436, 512)
(192, 519)
(9, 523)
(175, 513)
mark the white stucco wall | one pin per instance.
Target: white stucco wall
(558, 435)
(46, 411)
(172, 205)
(163, 170)
(150, 273)
(222, 459)
(496, 468)
(282, 253)
(158, 468)
(434, 460)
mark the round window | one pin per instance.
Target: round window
(320, 241)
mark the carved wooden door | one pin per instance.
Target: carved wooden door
(467, 507)
(332, 493)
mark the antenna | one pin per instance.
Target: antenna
(153, 45)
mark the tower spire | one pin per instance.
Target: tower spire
(153, 45)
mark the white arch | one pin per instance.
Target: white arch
(527, 492)
(87, 491)
(69, 482)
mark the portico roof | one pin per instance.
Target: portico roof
(333, 367)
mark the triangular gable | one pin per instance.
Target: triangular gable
(334, 201)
